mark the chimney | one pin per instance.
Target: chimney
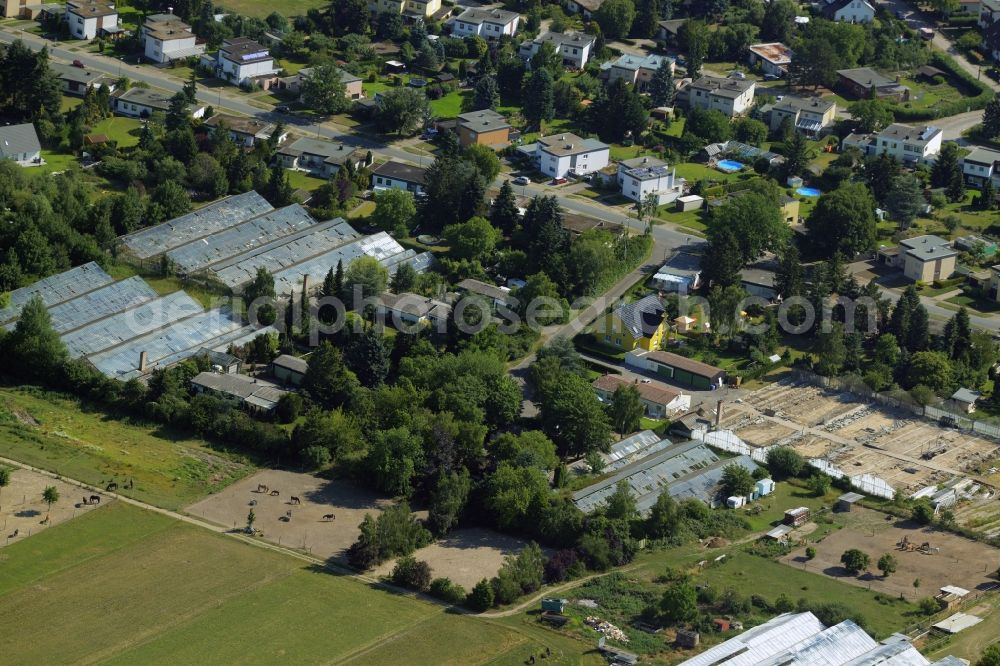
(718, 413)
(305, 285)
(142, 361)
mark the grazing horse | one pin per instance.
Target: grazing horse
(274, 493)
(112, 486)
(95, 499)
(328, 517)
(85, 501)
(261, 488)
(253, 502)
(295, 500)
(13, 535)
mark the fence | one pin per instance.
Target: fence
(902, 401)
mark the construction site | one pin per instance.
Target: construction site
(882, 450)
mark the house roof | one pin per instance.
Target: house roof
(672, 26)
(773, 52)
(982, 155)
(293, 363)
(724, 87)
(486, 120)
(645, 168)
(835, 6)
(589, 5)
(15, 139)
(850, 498)
(345, 76)
(569, 144)
(794, 103)
(148, 97)
(91, 9)
(684, 363)
(415, 305)
(965, 395)
(77, 74)
(866, 77)
(241, 124)
(404, 172)
(648, 392)
(333, 153)
(484, 289)
(903, 132)
(241, 386)
(477, 16)
(683, 264)
(642, 317)
(569, 38)
(634, 62)
(928, 247)
(243, 50)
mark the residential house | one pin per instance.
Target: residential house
(733, 97)
(680, 273)
(399, 176)
(407, 308)
(991, 41)
(14, 8)
(144, 102)
(850, 11)
(585, 8)
(989, 13)
(760, 279)
(485, 23)
(242, 60)
(497, 296)
(166, 38)
(968, 7)
(809, 115)
(866, 83)
(20, 143)
(289, 370)
(293, 83)
(574, 47)
(773, 58)
(641, 177)
(659, 401)
(562, 154)
(243, 130)
(77, 80)
(667, 30)
(677, 368)
(926, 258)
(321, 158)
(411, 10)
(485, 127)
(981, 164)
(636, 325)
(790, 209)
(964, 400)
(635, 70)
(255, 395)
(87, 19)
(909, 144)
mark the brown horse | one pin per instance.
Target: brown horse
(295, 500)
(261, 488)
(94, 499)
(274, 493)
(328, 517)
(112, 486)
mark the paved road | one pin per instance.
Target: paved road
(954, 126)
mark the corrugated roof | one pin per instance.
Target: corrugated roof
(293, 363)
(98, 304)
(833, 646)
(57, 288)
(683, 363)
(760, 642)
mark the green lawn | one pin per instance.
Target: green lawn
(125, 586)
(123, 130)
(302, 180)
(70, 103)
(55, 162)
(287, 8)
(693, 172)
(169, 469)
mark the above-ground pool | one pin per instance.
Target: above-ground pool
(729, 165)
(808, 192)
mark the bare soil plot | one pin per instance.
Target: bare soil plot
(953, 560)
(23, 513)
(465, 556)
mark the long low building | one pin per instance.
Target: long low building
(56, 289)
(255, 395)
(658, 401)
(678, 368)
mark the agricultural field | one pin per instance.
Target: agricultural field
(57, 433)
(163, 591)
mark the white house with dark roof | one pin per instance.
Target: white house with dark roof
(574, 47)
(245, 131)
(910, 144)
(77, 80)
(849, 11)
(399, 176)
(640, 177)
(485, 23)
(166, 38)
(585, 8)
(809, 115)
(635, 70)
(87, 19)
(559, 154)
(321, 158)
(981, 164)
(20, 143)
(144, 102)
(659, 401)
(733, 97)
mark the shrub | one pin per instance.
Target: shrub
(444, 589)
(412, 573)
(481, 597)
(929, 606)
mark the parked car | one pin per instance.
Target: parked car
(283, 108)
(738, 75)
(771, 77)
(558, 181)
(522, 180)
(77, 63)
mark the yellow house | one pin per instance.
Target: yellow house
(411, 8)
(790, 209)
(633, 325)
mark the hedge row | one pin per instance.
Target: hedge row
(983, 94)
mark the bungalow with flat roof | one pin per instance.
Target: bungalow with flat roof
(144, 102)
(733, 97)
(78, 80)
(255, 395)
(574, 47)
(497, 296)
(486, 127)
(677, 368)
(635, 70)
(289, 370)
(293, 84)
(561, 154)
(641, 177)
(320, 158)
(399, 176)
(20, 144)
(926, 258)
(485, 23)
(411, 308)
(773, 58)
(680, 273)
(165, 38)
(243, 130)
(865, 83)
(659, 401)
(808, 115)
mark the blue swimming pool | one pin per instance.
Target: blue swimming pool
(729, 166)
(808, 192)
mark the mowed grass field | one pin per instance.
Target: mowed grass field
(56, 433)
(121, 585)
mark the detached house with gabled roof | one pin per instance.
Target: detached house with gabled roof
(321, 158)
(629, 326)
(849, 11)
(20, 143)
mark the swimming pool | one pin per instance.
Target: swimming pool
(729, 166)
(808, 192)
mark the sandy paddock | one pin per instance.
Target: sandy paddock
(959, 561)
(466, 556)
(22, 509)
